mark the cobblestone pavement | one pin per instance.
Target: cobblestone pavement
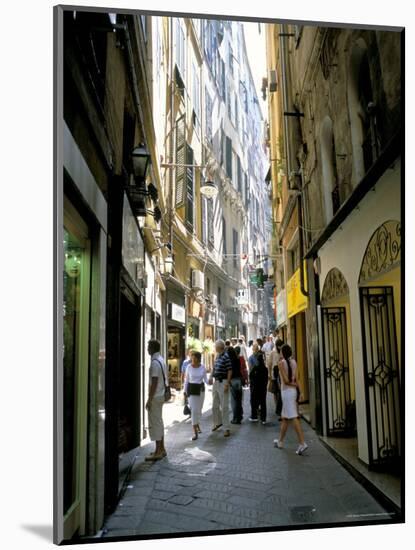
(242, 481)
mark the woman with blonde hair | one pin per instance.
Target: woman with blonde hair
(194, 389)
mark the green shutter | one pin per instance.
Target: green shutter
(204, 220)
(189, 187)
(229, 157)
(180, 160)
(211, 234)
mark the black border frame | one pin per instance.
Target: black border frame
(57, 197)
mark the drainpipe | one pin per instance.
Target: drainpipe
(285, 98)
(301, 243)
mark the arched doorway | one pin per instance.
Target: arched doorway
(337, 352)
(379, 283)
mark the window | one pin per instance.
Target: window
(230, 60)
(222, 78)
(180, 160)
(235, 248)
(229, 157)
(219, 295)
(229, 99)
(196, 94)
(208, 123)
(367, 115)
(210, 214)
(180, 50)
(235, 169)
(204, 221)
(207, 222)
(190, 173)
(236, 113)
(224, 252)
(239, 175)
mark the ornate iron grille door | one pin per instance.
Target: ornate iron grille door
(336, 369)
(381, 364)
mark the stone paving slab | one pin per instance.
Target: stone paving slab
(240, 482)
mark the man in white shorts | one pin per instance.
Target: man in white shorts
(158, 382)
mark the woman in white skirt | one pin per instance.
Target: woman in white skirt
(289, 388)
(194, 389)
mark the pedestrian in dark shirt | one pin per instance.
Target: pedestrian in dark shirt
(222, 374)
(274, 360)
(236, 387)
(258, 378)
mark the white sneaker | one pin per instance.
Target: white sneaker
(278, 444)
(301, 449)
(263, 423)
(253, 420)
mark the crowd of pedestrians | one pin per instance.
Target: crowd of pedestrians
(264, 365)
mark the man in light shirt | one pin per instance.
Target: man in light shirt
(267, 349)
(157, 384)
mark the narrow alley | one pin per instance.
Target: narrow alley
(241, 482)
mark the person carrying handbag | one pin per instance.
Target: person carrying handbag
(194, 390)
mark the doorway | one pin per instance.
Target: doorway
(129, 410)
(381, 371)
(76, 311)
(337, 372)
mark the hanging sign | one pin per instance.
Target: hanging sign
(296, 301)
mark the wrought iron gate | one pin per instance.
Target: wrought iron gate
(336, 370)
(381, 364)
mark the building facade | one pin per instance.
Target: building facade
(151, 108)
(335, 146)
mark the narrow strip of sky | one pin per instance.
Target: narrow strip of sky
(256, 49)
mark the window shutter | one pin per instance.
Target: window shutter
(189, 187)
(224, 235)
(211, 236)
(180, 160)
(235, 247)
(239, 175)
(229, 157)
(204, 221)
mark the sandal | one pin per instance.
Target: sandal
(216, 427)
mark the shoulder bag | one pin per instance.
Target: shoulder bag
(167, 390)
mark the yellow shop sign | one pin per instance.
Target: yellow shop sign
(296, 301)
